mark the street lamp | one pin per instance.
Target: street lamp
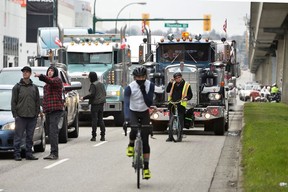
(139, 3)
(94, 18)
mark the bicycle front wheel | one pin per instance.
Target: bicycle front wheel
(175, 129)
(138, 160)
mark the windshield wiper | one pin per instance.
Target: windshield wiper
(5, 110)
(192, 58)
(175, 58)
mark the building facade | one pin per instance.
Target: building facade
(14, 50)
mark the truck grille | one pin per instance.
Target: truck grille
(190, 75)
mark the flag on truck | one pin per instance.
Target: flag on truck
(225, 25)
(58, 42)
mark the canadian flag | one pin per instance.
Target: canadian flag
(143, 26)
(225, 25)
(123, 43)
(58, 42)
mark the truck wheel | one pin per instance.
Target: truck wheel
(159, 125)
(219, 126)
(63, 132)
(208, 126)
(75, 124)
(119, 117)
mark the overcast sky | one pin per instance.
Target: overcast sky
(233, 11)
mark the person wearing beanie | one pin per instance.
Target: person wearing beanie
(53, 107)
(97, 98)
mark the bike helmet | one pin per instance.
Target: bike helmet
(140, 71)
(177, 74)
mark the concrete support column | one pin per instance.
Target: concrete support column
(285, 70)
(280, 52)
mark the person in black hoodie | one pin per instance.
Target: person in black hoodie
(25, 105)
(53, 107)
(97, 98)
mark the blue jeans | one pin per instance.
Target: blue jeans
(24, 124)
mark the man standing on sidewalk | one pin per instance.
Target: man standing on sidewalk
(25, 105)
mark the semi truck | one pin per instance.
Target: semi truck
(207, 66)
(110, 59)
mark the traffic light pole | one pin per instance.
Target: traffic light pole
(148, 19)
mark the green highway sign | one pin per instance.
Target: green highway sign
(176, 25)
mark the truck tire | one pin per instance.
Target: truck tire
(119, 117)
(75, 124)
(159, 125)
(63, 132)
(219, 126)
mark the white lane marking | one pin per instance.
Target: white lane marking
(56, 163)
(99, 143)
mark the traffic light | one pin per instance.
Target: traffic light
(207, 23)
(146, 16)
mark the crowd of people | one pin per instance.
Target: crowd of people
(138, 97)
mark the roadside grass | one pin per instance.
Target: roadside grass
(265, 147)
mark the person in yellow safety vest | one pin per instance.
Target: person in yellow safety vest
(274, 89)
(178, 90)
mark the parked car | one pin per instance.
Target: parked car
(245, 91)
(7, 124)
(70, 122)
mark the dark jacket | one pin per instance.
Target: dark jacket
(97, 93)
(53, 92)
(177, 91)
(25, 101)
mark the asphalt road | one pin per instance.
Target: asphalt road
(196, 164)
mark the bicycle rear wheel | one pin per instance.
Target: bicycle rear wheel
(175, 129)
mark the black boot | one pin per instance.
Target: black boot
(102, 138)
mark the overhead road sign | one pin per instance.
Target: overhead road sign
(176, 25)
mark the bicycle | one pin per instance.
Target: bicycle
(138, 160)
(175, 131)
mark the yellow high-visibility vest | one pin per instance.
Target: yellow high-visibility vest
(184, 93)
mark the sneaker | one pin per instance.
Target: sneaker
(51, 157)
(93, 139)
(17, 158)
(102, 138)
(130, 151)
(169, 139)
(146, 174)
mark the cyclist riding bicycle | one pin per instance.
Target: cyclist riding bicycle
(178, 90)
(138, 97)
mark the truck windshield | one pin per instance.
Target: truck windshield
(90, 58)
(187, 52)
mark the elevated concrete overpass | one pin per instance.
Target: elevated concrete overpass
(268, 44)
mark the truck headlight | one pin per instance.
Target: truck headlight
(113, 93)
(214, 96)
(9, 126)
